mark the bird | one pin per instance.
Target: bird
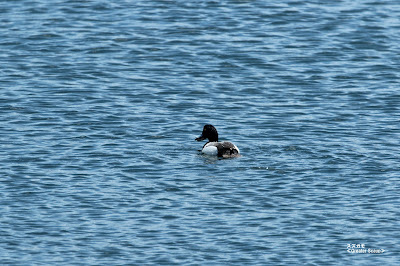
(223, 149)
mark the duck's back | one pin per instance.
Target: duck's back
(224, 149)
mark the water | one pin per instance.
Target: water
(100, 103)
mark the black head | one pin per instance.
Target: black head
(210, 133)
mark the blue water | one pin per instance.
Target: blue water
(100, 103)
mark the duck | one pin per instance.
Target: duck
(224, 149)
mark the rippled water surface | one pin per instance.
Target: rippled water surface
(100, 103)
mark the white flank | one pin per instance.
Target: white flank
(236, 148)
(210, 150)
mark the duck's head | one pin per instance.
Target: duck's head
(210, 133)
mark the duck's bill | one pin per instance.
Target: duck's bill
(200, 138)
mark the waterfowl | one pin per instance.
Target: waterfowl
(224, 149)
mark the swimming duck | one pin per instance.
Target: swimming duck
(213, 147)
